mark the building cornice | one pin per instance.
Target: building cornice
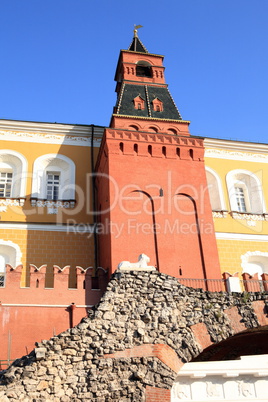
(235, 145)
(241, 237)
(87, 228)
(52, 133)
(142, 53)
(150, 118)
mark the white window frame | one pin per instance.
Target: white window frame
(53, 183)
(242, 196)
(235, 179)
(222, 206)
(12, 161)
(53, 163)
(6, 182)
(254, 257)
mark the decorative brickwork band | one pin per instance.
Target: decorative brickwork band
(163, 352)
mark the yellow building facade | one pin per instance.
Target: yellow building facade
(46, 194)
(237, 175)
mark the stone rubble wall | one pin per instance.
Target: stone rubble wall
(95, 361)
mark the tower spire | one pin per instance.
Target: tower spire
(136, 27)
(136, 44)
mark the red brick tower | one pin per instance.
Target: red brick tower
(152, 189)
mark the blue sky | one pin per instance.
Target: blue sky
(58, 59)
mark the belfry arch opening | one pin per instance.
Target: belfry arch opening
(143, 69)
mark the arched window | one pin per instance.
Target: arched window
(245, 192)
(13, 172)
(215, 190)
(10, 253)
(143, 69)
(53, 178)
(255, 262)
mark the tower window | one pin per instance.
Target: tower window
(139, 103)
(53, 185)
(191, 153)
(5, 184)
(143, 69)
(157, 105)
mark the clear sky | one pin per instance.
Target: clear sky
(58, 59)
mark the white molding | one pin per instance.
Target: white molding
(232, 181)
(232, 380)
(219, 185)
(50, 133)
(60, 162)
(14, 246)
(79, 228)
(241, 236)
(235, 155)
(19, 167)
(49, 139)
(241, 147)
(245, 260)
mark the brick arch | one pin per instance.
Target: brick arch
(203, 338)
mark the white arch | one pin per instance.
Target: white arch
(216, 199)
(10, 252)
(54, 162)
(252, 188)
(253, 262)
(17, 163)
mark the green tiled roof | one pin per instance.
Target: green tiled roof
(125, 104)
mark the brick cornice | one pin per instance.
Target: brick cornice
(162, 139)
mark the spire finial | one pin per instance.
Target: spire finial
(136, 27)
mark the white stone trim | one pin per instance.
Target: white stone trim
(18, 254)
(50, 162)
(79, 228)
(235, 150)
(220, 188)
(220, 214)
(50, 133)
(255, 365)
(19, 165)
(235, 155)
(245, 259)
(231, 182)
(231, 380)
(241, 237)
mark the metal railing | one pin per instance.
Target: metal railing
(220, 285)
(213, 285)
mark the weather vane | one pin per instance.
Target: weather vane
(136, 27)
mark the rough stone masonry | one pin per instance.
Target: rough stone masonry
(144, 328)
